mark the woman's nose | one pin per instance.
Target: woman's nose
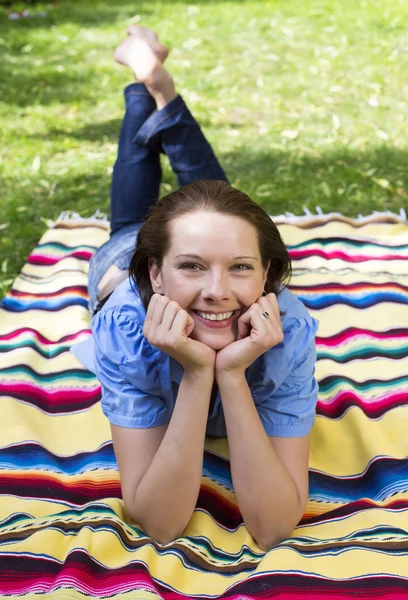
(217, 287)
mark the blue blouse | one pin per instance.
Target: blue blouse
(140, 382)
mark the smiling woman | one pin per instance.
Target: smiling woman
(194, 331)
(200, 222)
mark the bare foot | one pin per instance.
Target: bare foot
(137, 52)
(149, 36)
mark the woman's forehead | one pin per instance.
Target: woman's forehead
(204, 225)
(209, 231)
(213, 235)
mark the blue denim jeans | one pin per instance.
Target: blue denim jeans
(146, 132)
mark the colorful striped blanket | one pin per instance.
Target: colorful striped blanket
(63, 529)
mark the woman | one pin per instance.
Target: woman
(187, 332)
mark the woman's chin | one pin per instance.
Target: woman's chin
(216, 342)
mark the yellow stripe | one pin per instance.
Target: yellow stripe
(341, 566)
(339, 529)
(91, 235)
(393, 233)
(379, 317)
(44, 366)
(52, 325)
(53, 285)
(352, 442)
(363, 370)
(65, 435)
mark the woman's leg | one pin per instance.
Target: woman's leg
(171, 128)
(175, 132)
(137, 172)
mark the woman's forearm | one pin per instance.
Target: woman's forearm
(266, 493)
(167, 495)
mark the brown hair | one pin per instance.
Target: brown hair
(153, 239)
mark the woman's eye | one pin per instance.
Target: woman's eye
(194, 267)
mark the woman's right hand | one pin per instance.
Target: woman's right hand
(167, 326)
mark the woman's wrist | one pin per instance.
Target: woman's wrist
(201, 374)
(231, 377)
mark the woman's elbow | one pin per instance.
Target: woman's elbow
(165, 538)
(268, 539)
(161, 534)
(267, 543)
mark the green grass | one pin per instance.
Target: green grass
(304, 101)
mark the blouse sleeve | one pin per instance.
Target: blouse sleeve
(288, 406)
(126, 366)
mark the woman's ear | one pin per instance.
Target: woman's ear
(155, 276)
(265, 275)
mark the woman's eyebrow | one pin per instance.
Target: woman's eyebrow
(199, 257)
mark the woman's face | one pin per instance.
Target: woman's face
(213, 267)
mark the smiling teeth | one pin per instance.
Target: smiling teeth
(213, 317)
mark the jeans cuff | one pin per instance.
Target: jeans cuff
(137, 88)
(149, 133)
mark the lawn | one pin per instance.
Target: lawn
(305, 102)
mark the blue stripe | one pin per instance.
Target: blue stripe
(49, 304)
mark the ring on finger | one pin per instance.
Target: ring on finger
(265, 315)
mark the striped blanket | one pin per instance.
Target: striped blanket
(63, 529)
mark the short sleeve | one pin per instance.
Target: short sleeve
(288, 407)
(126, 367)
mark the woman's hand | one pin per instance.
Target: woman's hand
(255, 336)
(167, 326)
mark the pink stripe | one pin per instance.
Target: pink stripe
(354, 333)
(370, 405)
(34, 334)
(72, 291)
(301, 254)
(44, 259)
(65, 396)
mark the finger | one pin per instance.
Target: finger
(243, 329)
(273, 301)
(183, 324)
(270, 305)
(261, 307)
(170, 311)
(158, 309)
(266, 328)
(271, 327)
(149, 314)
(245, 322)
(245, 319)
(150, 307)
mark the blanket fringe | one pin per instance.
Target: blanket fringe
(72, 217)
(287, 217)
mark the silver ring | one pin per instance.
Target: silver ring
(265, 315)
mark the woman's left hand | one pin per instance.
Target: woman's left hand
(255, 336)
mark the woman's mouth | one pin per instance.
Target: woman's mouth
(216, 320)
